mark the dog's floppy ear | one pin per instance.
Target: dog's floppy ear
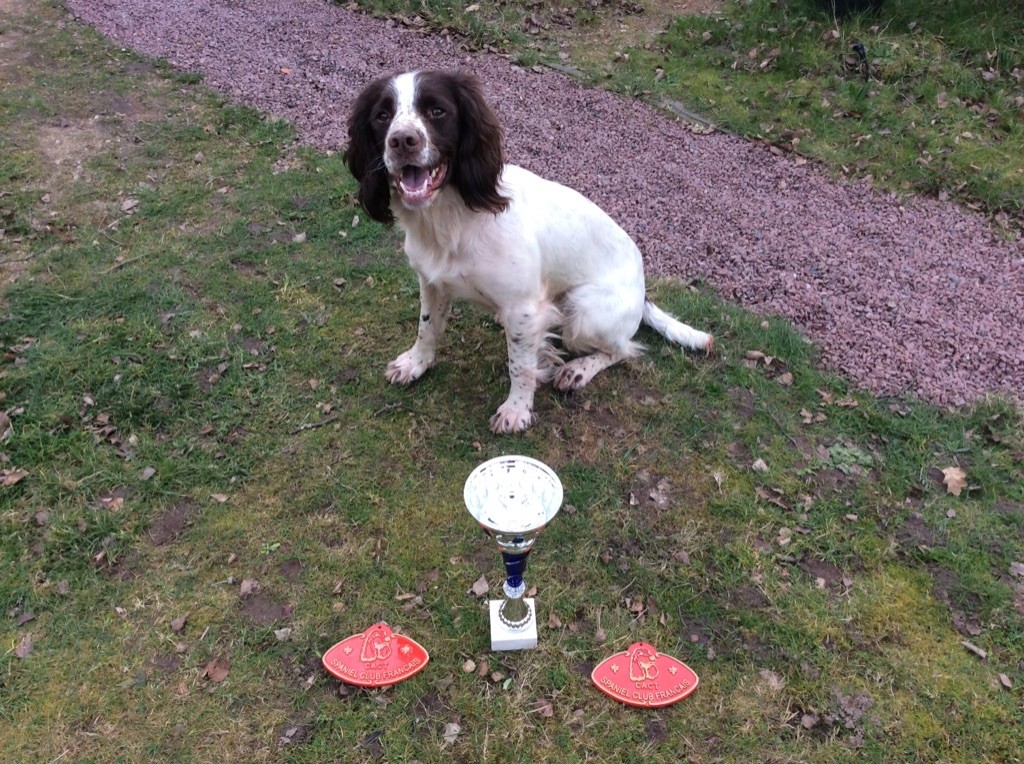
(365, 154)
(479, 156)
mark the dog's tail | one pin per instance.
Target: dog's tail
(675, 330)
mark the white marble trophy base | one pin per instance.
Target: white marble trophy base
(504, 638)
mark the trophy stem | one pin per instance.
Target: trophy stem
(514, 612)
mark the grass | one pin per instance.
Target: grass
(949, 75)
(941, 111)
(192, 374)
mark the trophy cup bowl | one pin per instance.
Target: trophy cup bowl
(513, 498)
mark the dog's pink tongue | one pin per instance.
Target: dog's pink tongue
(414, 178)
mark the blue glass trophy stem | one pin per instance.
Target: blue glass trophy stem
(515, 565)
(514, 612)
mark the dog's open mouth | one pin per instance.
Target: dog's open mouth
(418, 185)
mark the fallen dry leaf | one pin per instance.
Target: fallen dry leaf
(480, 587)
(24, 648)
(10, 477)
(179, 623)
(661, 494)
(1005, 681)
(469, 666)
(451, 732)
(544, 708)
(217, 669)
(955, 480)
(554, 622)
(759, 466)
(773, 682)
(220, 498)
(249, 586)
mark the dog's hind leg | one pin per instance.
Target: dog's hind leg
(579, 371)
(410, 365)
(600, 322)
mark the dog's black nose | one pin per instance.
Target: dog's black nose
(409, 140)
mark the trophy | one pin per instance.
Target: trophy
(513, 498)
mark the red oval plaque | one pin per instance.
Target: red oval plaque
(643, 677)
(376, 658)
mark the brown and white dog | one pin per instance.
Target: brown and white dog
(427, 151)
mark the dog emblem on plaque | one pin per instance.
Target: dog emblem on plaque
(376, 658)
(645, 678)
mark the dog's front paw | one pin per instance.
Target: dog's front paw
(407, 368)
(511, 418)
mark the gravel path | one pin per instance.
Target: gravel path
(904, 297)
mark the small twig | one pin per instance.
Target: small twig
(121, 264)
(411, 410)
(115, 223)
(314, 425)
(107, 236)
(778, 424)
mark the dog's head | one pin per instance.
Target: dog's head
(419, 132)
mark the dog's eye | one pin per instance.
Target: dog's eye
(437, 112)
(383, 116)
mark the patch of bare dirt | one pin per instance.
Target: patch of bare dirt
(964, 606)
(291, 569)
(69, 145)
(748, 597)
(294, 734)
(172, 522)
(914, 533)
(261, 609)
(625, 24)
(850, 714)
(166, 663)
(830, 575)
(588, 432)
(659, 502)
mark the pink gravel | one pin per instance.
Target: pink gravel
(905, 297)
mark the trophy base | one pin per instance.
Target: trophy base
(504, 638)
